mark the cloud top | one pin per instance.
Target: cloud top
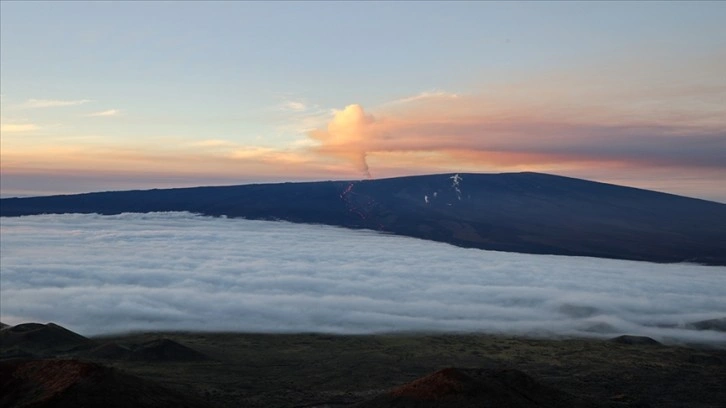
(176, 271)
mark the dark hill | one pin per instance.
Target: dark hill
(108, 351)
(42, 339)
(462, 388)
(710, 324)
(165, 350)
(635, 340)
(50, 340)
(516, 212)
(72, 383)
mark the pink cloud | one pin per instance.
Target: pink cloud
(516, 133)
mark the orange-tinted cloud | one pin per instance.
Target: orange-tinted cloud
(181, 164)
(17, 127)
(669, 131)
(510, 131)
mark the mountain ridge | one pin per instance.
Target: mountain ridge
(514, 212)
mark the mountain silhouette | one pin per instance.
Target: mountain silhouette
(165, 350)
(43, 339)
(515, 212)
(54, 341)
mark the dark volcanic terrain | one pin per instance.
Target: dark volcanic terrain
(72, 383)
(476, 388)
(315, 370)
(516, 212)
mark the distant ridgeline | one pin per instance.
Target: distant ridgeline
(515, 212)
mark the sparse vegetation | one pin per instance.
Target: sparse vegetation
(321, 370)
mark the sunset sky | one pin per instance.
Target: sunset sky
(127, 95)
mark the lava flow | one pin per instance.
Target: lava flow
(348, 197)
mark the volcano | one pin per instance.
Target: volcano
(514, 212)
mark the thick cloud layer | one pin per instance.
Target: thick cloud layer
(100, 274)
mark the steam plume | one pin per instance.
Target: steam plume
(347, 136)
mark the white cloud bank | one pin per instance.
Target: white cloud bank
(101, 274)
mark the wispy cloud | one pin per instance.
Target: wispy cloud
(18, 127)
(52, 103)
(425, 96)
(213, 143)
(106, 113)
(295, 106)
(298, 116)
(185, 162)
(541, 125)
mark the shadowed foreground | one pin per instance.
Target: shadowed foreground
(476, 388)
(404, 370)
(72, 383)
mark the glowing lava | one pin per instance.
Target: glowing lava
(348, 196)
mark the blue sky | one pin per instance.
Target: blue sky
(102, 95)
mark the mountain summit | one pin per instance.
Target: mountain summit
(515, 212)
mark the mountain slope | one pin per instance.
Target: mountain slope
(518, 212)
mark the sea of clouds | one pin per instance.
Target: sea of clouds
(177, 271)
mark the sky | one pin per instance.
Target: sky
(126, 95)
(176, 271)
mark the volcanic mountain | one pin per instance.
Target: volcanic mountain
(515, 212)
